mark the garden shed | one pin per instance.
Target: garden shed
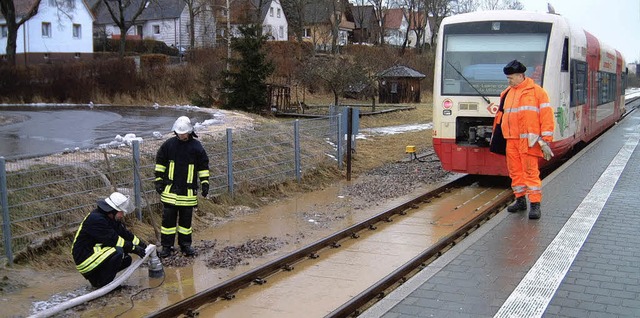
(399, 84)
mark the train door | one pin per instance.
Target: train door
(564, 124)
(593, 64)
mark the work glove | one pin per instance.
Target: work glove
(546, 150)
(159, 186)
(139, 251)
(142, 244)
(205, 189)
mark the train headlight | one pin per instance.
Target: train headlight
(447, 103)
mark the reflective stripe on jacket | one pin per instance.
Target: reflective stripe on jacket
(177, 163)
(97, 238)
(527, 115)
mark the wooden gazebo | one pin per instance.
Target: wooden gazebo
(399, 84)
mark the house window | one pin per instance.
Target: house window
(270, 12)
(4, 31)
(46, 29)
(279, 13)
(306, 33)
(281, 32)
(156, 29)
(77, 31)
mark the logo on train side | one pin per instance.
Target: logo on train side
(492, 108)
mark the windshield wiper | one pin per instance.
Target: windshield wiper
(481, 95)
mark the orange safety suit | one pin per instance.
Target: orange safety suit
(527, 115)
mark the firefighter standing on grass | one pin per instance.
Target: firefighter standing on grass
(182, 167)
(102, 243)
(525, 120)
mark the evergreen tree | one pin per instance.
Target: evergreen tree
(244, 86)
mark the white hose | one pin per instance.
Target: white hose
(96, 293)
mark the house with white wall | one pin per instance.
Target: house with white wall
(161, 20)
(61, 30)
(268, 13)
(396, 27)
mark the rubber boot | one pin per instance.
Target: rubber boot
(535, 213)
(187, 250)
(165, 252)
(519, 205)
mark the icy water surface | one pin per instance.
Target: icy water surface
(40, 130)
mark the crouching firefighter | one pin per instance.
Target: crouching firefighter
(182, 167)
(102, 244)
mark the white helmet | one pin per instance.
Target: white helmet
(117, 201)
(182, 125)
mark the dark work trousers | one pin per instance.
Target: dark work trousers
(171, 213)
(107, 270)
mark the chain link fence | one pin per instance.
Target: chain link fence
(46, 197)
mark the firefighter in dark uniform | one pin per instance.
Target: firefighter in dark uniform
(182, 167)
(102, 244)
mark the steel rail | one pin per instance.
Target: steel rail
(378, 289)
(227, 289)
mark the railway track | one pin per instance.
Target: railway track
(339, 275)
(333, 278)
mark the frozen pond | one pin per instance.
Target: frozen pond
(38, 130)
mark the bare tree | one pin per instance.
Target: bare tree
(294, 10)
(465, 6)
(336, 73)
(196, 8)
(408, 12)
(124, 14)
(438, 10)
(513, 5)
(380, 7)
(8, 9)
(501, 5)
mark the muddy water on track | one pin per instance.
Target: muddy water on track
(297, 222)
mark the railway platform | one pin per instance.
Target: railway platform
(581, 259)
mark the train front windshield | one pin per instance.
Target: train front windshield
(475, 53)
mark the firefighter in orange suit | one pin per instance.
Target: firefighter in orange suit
(526, 122)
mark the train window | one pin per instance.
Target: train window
(564, 64)
(578, 83)
(607, 83)
(475, 53)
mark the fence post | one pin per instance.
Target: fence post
(339, 141)
(229, 161)
(296, 146)
(6, 221)
(137, 186)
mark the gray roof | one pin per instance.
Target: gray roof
(317, 12)
(400, 71)
(156, 10)
(364, 13)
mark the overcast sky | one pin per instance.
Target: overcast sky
(614, 22)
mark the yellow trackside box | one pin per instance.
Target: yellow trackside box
(410, 149)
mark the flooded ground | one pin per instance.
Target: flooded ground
(27, 131)
(266, 234)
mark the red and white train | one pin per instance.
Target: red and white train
(585, 80)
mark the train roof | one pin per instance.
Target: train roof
(508, 15)
(522, 15)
